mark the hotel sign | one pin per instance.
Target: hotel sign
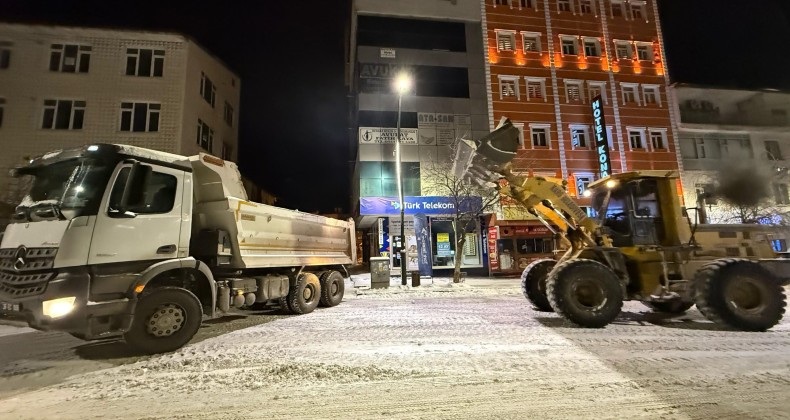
(601, 138)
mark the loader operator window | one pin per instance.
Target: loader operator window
(159, 195)
(615, 209)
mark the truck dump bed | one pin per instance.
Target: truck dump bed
(264, 236)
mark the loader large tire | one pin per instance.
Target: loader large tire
(740, 294)
(670, 307)
(585, 292)
(533, 283)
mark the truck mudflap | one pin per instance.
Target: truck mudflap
(83, 318)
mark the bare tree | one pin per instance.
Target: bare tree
(748, 194)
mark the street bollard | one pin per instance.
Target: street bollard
(415, 278)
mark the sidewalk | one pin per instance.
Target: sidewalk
(361, 282)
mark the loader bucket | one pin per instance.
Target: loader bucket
(499, 146)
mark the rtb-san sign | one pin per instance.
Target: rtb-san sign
(601, 138)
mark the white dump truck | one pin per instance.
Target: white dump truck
(118, 240)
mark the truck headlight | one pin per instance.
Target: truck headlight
(57, 308)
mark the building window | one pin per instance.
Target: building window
(630, 94)
(780, 193)
(569, 45)
(500, 2)
(2, 108)
(531, 41)
(596, 89)
(635, 139)
(637, 10)
(5, 55)
(644, 52)
(540, 136)
(228, 114)
(536, 89)
(592, 47)
(144, 62)
(564, 6)
(586, 6)
(573, 91)
(658, 139)
(140, 116)
(699, 149)
(580, 136)
(623, 50)
(706, 190)
(207, 89)
(69, 58)
(525, 4)
(652, 95)
(227, 151)
(617, 8)
(505, 40)
(772, 150)
(582, 181)
(520, 127)
(205, 136)
(63, 114)
(508, 87)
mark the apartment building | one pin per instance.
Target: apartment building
(721, 128)
(545, 62)
(62, 87)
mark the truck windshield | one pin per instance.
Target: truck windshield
(62, 190)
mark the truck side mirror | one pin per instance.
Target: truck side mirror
(134, 190)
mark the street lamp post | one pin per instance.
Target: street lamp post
(402, 85)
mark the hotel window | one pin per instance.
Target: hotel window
(520, 127)
(526, 4)
(658, 139)
(597, 88)
(508, 87)
(580, 137)
(592, 47)
(63, 114)
(617, 8)
(500, 2)
(623, 50)
(586, 6)
(536, 89)
(569, 46)
(144, 62)
(140, 116)
(644, 51)
(630, 93)
(564, 6)
(638, 10)
(505, 40)
(540, 136)
(68, 58)
(636, 139)
(531, 41)
(208, 90)
(573, 91)
(652, 95)
(582, 181)
(205, 136)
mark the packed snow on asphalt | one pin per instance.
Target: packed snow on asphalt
(471, 350)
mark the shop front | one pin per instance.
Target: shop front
(512, 245)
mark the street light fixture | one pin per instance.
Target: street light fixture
(402, 85)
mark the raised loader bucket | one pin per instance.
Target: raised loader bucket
(499, 146)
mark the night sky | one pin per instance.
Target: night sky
(290, 56)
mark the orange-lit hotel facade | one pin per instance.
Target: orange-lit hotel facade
(548, 58)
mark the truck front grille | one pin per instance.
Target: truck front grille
(25, 272)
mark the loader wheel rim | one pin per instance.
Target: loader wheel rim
(166, 320)
(588, 294)
(746, 296)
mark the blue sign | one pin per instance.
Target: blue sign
(423, 233)
(601, 138)
(413, 205)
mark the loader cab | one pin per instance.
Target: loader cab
(634, 210)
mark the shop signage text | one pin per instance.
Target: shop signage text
(413, 205)
(601, 138)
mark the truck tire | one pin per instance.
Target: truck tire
(304, 294)
(670, 307)
(585, 292)
(165, 319)
(533, 283)
(740, 294)
(333, 286)
(284, 305)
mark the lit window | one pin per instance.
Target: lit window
(623, 49)
(580, 137)
(637, 10)
(144, 62)
(531, 42)
(582, 181)
(658, 139)
(652, 96)
(573, 92)
(586, 6)
(526, 4)
(63, 114)
(535, 89)
(569, 45)
(539, 136)
(208, 90)
(140, 116)
(644, 52)
(205, 136)
(505, 40)
(630, 94)
(596, 89)
(592, 47)
(564, 5)
(70, 58)
(635, 139)
(508, 87)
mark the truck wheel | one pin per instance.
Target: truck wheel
(164, 320)
(740, 294)
(533, 283)
(670, 307)
(333, 286)
(284, 305)
(304, 294)
(585, 292)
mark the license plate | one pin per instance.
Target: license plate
(9, 307)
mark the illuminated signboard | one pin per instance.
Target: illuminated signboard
(601, 138)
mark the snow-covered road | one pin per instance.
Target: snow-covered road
(474, 351)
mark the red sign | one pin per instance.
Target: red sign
(493, 258)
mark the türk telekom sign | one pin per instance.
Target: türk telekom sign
(601, 138)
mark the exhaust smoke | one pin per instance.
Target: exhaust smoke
(743, 184)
